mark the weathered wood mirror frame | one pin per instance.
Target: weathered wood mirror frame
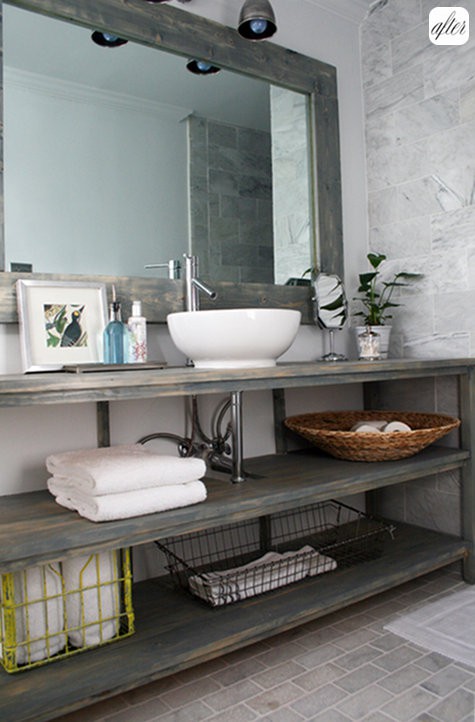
(183, 33)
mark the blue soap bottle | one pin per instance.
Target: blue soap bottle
(116, 337)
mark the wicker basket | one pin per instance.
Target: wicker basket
(330, 431)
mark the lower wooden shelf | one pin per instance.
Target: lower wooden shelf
(175, 631)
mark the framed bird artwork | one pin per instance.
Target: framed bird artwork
(61, 323)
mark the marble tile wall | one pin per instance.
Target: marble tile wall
(420, 140)
(420, 136)
(230, 176)
(291, 183)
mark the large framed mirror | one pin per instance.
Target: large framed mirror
(161, 38)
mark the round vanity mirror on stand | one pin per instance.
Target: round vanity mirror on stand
(330, 309)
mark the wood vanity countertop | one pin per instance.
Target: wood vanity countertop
(60, 387)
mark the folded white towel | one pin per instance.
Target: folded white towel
(39, 621)
(113, 469)
(128, 503)
(92, 598)
(270, 571)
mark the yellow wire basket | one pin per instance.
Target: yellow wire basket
(52, 611)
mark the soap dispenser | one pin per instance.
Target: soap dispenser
(137, 325)
(116, 336)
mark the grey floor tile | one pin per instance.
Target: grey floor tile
(233, 695)
(331, 715)
(319, 655)
(362, 703)
(276, 675)
(318, 677)
(411, 703)
(404, 678)
(359, 678)
(145, 712)
(356, 639)
(446, 681)
(377, 717)
(455, 707)
(318, 701)
(388, 641)
(240, 713)
(273, 699)
(398, 658)
(433, 661)
(282, 715)
(358, 657)
(470, 683)
(281, 653)
(195, 712)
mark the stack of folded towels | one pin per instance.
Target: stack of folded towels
(119, 482)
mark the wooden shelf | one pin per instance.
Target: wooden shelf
(34, 529)
(175, 631)
(60, 388)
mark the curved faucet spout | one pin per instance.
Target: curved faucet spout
(203, 287)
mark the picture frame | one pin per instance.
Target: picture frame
(61, 323)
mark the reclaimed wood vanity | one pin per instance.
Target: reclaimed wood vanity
(173, 630)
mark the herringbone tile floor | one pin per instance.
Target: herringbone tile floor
(342, 668)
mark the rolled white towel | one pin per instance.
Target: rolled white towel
(92, 598)
(39, 618)
(128, 504)
(114, 469)
(378, 424)
(367, 429)
(270, 571)
(396, 426)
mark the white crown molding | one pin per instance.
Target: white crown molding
(78, 93)
(353, 10)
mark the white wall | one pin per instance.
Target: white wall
(81, 165)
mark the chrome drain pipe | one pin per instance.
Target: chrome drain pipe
(237, 475)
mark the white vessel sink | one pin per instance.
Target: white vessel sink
(234, 338)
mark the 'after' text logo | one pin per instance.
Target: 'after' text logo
(449, 26)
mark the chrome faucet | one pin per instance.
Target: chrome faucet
(174, 268)
(193, 284)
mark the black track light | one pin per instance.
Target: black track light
(107, 40)
(201, 67)
(257, 20)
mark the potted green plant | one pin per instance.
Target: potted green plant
(376, 297)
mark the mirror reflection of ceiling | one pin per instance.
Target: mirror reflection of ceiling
(38, 44)
(103, 152)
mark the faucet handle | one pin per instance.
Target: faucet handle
(174, 268)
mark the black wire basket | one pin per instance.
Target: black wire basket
(230, 563)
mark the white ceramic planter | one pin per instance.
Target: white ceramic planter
(383, 332)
